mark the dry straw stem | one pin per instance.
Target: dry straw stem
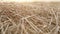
(30, 18)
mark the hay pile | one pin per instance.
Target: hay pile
(30, 18)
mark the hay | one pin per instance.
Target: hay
(30, 18)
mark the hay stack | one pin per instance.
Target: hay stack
(30, 18)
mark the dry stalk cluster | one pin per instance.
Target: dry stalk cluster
(29, 18)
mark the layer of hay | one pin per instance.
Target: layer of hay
(30, 18)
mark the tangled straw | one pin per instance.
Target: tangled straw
(29, 18)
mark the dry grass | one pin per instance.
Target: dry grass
(30, 18)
